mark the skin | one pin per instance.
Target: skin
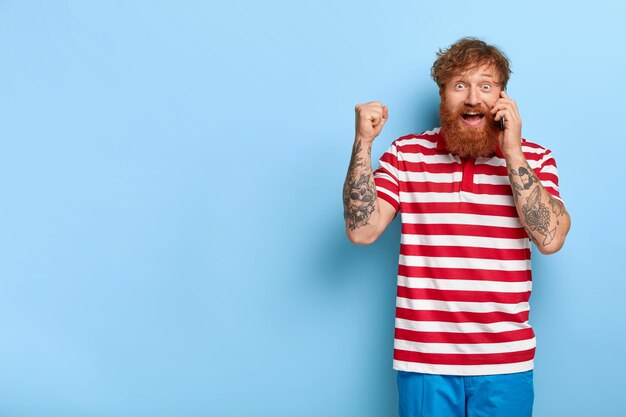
(366, 218)
(545, 219)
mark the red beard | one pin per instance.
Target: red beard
(468, 142)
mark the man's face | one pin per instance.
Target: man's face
(466, 101)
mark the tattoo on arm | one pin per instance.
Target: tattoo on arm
(534, 213)
(359, 191)
(516, 191)
(557, 206)
(537, 216)
(526, 175)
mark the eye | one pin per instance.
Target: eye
(459, 86)
(486, 87)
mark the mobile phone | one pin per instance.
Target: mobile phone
(502, 120)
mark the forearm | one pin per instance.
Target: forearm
(360, 202)
(544, 217)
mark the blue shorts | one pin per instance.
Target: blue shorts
(426, 395)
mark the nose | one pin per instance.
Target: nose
(472, 98)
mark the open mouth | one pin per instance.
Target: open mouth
(473, 118)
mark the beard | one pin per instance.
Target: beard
(464, 141)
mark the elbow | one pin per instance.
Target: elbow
(554, 247)
(360, 239)
(559, 241)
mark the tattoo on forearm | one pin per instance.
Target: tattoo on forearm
(527, 176)
(359, 191)
(534, 213)
(537, 216)
(557, 207)
(526, 180)
(530, 235)
(516, 191)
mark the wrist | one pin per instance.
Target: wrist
(514, 156)
(365, 140)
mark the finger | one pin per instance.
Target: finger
(385, 112)
(500, 114)
(509, 105)
(508, 117)
(502, 104)
(377, 107)
(374, 117)
(498, 106)
(506, 101)
(369, 105)
(503, 94)
(383, 121)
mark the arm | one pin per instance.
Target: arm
(544, 217)
(366, 215)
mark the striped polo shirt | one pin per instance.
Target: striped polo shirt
(464, 277)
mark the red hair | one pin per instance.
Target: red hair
(469, 53)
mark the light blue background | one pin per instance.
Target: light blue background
(171, 231)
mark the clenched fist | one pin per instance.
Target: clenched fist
(370, 119)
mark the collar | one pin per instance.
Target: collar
(441, 145)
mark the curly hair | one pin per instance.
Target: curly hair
(469, 53)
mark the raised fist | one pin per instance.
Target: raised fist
(370, 119)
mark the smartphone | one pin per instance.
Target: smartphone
(502, 120)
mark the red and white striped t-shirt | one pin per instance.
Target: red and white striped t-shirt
(464, 276)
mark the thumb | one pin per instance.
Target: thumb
(385, 116)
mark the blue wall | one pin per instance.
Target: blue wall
(171, 231)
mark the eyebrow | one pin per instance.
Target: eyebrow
(485, 74)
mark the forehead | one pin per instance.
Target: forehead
(479, 71)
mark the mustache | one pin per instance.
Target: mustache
(479, 108)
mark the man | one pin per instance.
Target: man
(472, 195)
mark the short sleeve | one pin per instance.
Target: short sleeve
(548, 175)
(386, 177)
